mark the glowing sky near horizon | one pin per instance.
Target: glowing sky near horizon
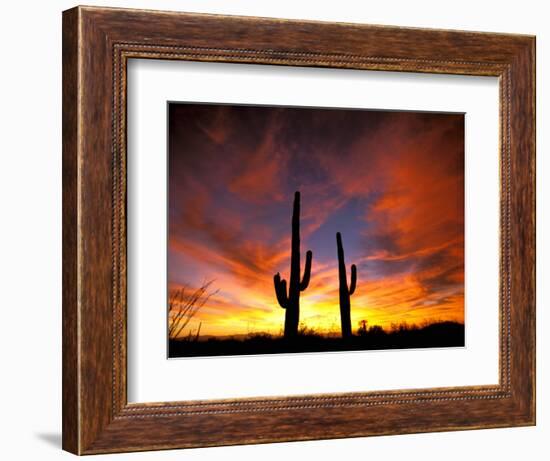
(391, 182)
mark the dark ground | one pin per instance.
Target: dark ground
(440, 334)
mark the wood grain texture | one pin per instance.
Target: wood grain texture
(97, 42)
(70, 383)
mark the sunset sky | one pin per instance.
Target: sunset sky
(391, 182)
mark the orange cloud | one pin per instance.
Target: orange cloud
(391, 182)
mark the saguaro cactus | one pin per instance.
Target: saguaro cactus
(291, 301)
(345, 292)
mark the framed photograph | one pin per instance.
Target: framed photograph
(282, 230)
(248, 186)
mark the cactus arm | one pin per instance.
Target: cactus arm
(307, 271)
(280, 290)
(353, 282)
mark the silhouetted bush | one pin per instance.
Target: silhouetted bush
(182, 307)
(402, 336)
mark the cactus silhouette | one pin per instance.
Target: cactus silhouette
(345, 292)
(291, 301)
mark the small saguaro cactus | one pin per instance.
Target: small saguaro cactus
(345, 292)
(291, 301)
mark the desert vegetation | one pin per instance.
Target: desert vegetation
(307, 339)
(183, 304)
(290, 300)
(345, 290)
(297, 337)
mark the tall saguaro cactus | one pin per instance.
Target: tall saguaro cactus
(291, 301)
(345, 291)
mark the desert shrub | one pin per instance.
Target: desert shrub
(363, 328)
(182, 307)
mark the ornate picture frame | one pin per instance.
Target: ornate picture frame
(97, 44)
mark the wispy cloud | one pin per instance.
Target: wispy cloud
(391, 182)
